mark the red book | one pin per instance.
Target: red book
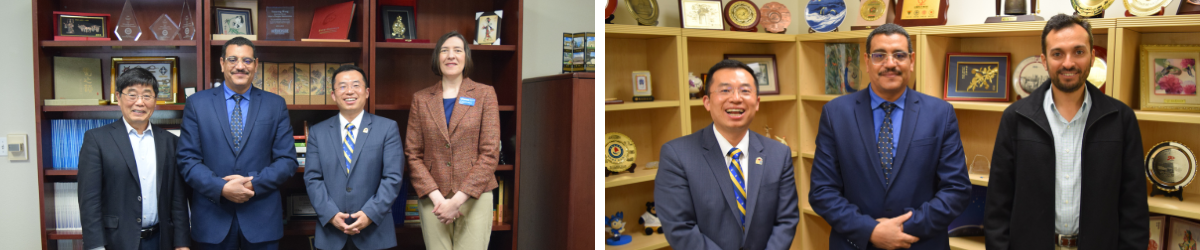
(332, 22)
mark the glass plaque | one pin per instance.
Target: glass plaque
(164, 28)
(187, 27)
(281, 23)
(127, 24)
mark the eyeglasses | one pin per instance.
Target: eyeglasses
(1058, 55)
(135, 97)
(233, 60)
(879, 57)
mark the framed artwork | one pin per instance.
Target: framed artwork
(700, 14)
(399, 22)
(75, 24)
(765, 71)
(165, 70)
(642, 87)
(1169, 77)
(1183, 234)
(976, 77)
(234, 21)
(1158, 225)
(487, 27)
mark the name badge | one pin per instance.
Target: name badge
(466, 101)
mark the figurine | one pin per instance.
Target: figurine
(650, 219)
(616, 226)
(694, 85)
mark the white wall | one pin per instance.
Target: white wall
(18, 183)
(545, 21)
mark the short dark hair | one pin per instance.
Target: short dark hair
(728, 64)
(887, 30)
(1063, 21)
(239, 41)
(348, 67)
(437, 70)
(136, 76)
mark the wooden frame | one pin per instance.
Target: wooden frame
(68, 24)
(1183, 234)
(960, 65)
(1167, 71)
(698, 6)
(484, 25)
(226, 16)
(902, 11)
(765, 62)
(156, 65)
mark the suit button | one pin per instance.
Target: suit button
(139, 198)
(139, 220)
(348, 189)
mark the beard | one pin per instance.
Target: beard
(1081, 76)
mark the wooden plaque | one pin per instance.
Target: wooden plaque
(921, 12)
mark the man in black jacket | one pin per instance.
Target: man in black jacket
(131, 195)
(1067, 164)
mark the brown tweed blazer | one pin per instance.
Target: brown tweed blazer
(461, 157)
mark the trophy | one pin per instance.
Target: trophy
(645, 11)
(1171, 167)
(1146, 7)
(187, 27)
(1015, 9)
(1091, 8)
(742, 15)
(619, 154)
(127, 24)
(164, 28)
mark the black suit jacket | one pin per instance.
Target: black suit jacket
(110, 194)
(1020, 200)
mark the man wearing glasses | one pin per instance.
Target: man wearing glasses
(235, 151)
(130, 193)
(889, 170)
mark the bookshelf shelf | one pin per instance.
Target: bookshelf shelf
(116, 43)
(113, 107)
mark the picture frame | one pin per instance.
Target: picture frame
(1158, 227)
(300, 206)
(399, 22)
(1182, 233)
(233, 21)
(976, 77)
(80, 26)
(1169, 77)
(701, 14)
(165, 70)
(911, 13)
(642, 86)
(765, 70)
(487, 27)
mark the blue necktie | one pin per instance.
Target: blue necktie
(348, 145)
(735, 174)
(885, 141)
(237, 123)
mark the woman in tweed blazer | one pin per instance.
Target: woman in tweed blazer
(453, 135)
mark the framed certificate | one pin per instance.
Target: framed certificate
(976, 77)
(921, 12)
(765, 71)
(1158, 226)
(1183, 234)
(1168, 77)
(165, 70)
(642, 86)
(700, 14)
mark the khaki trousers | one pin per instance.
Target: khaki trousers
(1056, 247)
(471, 231)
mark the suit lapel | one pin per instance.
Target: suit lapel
(360, 139)
(756, 176)
(160, 151)
(335, 138)
(247, 124)
(716, 163)
(121, 137)
(223, 115)
(866, 129)
(438, 111)
(912, 113)
(459, 111)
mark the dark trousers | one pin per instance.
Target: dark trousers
(350, 245)
(150, 243)
(236, 240)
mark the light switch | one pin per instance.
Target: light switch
(17, 147)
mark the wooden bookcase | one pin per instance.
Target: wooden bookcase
(978, 121)
(395, 71)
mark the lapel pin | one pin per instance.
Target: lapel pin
(758, 160)
(366, 130)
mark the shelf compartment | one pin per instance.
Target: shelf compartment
(266, 43)
(736, 36)
(980, 106)
(429, 46)
(819, 98)
(639, 32)
(104, 108)
(1166, 116)
(641, 241)
(1188, 208)
(638, 176)
(641, 105)
(117, 43)
(967, 243)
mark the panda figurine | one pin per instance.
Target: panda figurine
(650, 219)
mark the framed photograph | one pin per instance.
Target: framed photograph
(165, 70)
(700, 14)
(765, 71)
(81, 25)
(1183, 234)
(300, 206)
(1158, 226)
(234, 21)
(1169, 77)
(399, 22)
(487, 27)
(976, 77)
(642, 87)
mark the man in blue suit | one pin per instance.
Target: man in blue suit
(363, 155)
(235, 150)
(726, 187)
(889, 170)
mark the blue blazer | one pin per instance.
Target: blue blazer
(206, 155)
(371, 186)
(929, 174)
(694, 195)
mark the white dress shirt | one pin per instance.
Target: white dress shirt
(743, 145)
(147, 165)
(1068, 142)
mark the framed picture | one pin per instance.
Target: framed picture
(1183, 234)
(76, 24)
(165, 70)
(300, 206)
(700, 14)
(1169, 77)
(765, 71)
(487, 27)
(642, 87)
(1158, 225)
(234, 21)
(399, 22)
(976, 77)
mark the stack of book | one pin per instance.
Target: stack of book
(66, 208)
(67, 138)
(411, 215)
(298, 83)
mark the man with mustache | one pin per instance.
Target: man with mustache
(1067, 165)
(726, 187)
(889, 170)
(235, 150)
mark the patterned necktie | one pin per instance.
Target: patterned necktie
(237, 123)
(735, 174)
(348, 145)
(885, 141)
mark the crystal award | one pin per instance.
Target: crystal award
(127, 25)
(187, 28)
(164, 28)
(281, 23)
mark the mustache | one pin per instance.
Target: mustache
(890, 70)
(240, 72)
(1069, 70)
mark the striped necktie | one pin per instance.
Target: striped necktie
(348, 145)
(735, 174)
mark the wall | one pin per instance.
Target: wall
(18, 184)
(545, 21)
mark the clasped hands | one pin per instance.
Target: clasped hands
(361, 221)
(447, 209)
(889, 233)
(237, 189)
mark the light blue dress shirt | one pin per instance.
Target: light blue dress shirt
(897, 115)
(146, 158)
(245, 104)
(1068, 141)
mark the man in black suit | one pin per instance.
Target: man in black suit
(131, 195)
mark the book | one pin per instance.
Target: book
(331, 22)
(258, 76)
(300, 81)
(286, 89)
(66, 208)
(78, 78)
(66, 139)
(271, 77)
(316, 84)
(330, 68)
(74, 102)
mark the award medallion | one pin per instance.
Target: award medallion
(1145, 7)
(645, 11)
(742, 15)
(872, 10)
(1171, 166)
(1029, 75)
(619, 153)
(1089, 8)
(776, 17)
(825, 16)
